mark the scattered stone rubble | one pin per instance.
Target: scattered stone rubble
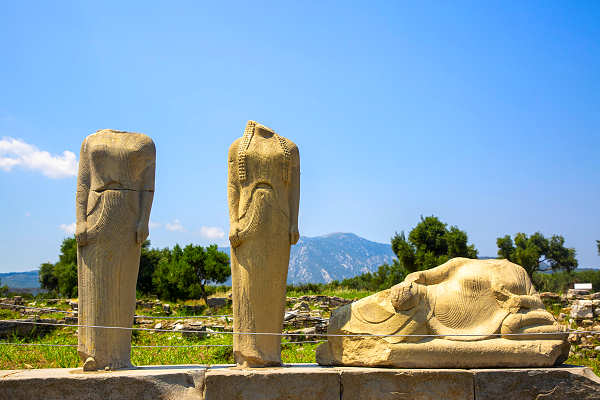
(309, 315)
(579, 310)
(12, 328)
(306, 315)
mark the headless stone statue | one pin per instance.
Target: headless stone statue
(493, 299)
(115, 188)
(263, 194)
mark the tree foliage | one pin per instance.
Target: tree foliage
(3, 290)
(186, 272)
(149, 260)
(170, 274)
(61, 277)
(48, 280)
(537, 253)
(385, 277)
(430, 244)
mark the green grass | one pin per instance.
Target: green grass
(593, 363)
(54, 315)
(9, 314)
(351, 294)
(23, 357)
(19, 357)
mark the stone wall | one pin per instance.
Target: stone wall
(300, 382)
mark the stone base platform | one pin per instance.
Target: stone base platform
(302, 382)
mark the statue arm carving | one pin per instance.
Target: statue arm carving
(294, 195)
(146, 196)
(81, 197)
(233, 195)
(438, 274)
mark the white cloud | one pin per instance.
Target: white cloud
(28, 214)
(174, 226)
(69, 229)
(15, 152)
(212, 232)
(154, 225)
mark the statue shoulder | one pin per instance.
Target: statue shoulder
(233, 149)
(145, 143)
(292, 147)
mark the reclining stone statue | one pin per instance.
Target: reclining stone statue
(471, 313)
(115, 188)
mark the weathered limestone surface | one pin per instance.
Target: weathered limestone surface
(263, 194)
(145, 383)
(392, 384)
(563, 383)
(115, 188)
(301, 382)
(272, 384)
(492, 299)
(582, 309)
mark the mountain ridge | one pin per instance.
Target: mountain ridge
(319, 259)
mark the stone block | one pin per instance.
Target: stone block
(400, 384)
(574, 293)
(582, 309)
(144, 383)
(217, 302)
(564, 383)
(300, 382)
(17, 327)
(289, 383)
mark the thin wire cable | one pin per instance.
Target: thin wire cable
(137, 316)
(563, 333)
(38, 308)
(183, 316)
(148, 346)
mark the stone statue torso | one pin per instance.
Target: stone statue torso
(266, 166)
(120, 161)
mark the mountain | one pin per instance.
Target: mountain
(335, 256)
(313, 259)
(20, 279)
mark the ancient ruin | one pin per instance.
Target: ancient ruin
(479, 313)
(263, 193)
(115, 188)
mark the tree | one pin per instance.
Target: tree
(3, 290)
(62, 276)
(185, 273)
(536, 251)
(48, 280)
(430, 244)
(169, 278)
(210, 265)
(149, 260)
(65, 269)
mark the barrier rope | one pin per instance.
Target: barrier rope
(147, 346)
(563, 333)
(136, 316)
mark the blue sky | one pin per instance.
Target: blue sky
(485, 114)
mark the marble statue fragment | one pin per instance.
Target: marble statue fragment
(493, 299)
(115, 188)
(263, 195)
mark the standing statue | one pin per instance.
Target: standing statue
(263, 194)
(115, 188)
(471, 313)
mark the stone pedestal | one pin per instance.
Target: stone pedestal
(302, 382)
